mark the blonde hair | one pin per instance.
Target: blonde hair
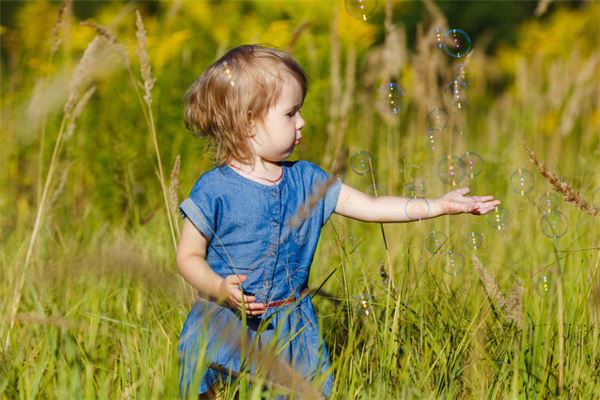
(235, 90)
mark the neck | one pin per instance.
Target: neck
(263, 171)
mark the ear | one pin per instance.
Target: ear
(251, 124)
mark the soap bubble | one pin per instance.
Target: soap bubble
(456, 93)
(474, 240)
(452, 262)
(361, 162)
(521, 181)
(433, 138)
(456, 43)
(498, 218)
(416, 209)
(434, 241)
(473, 163)
(554, 224)
(364, 304)
(437, 119)
(548, 202)
(544, 285)
(451, 170)
(392, 97)
(415, 189)
(362, 9)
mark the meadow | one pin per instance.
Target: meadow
(95, 158)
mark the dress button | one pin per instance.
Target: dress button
(267, 284)
(274, 224)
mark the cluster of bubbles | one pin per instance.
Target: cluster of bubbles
(451, 261)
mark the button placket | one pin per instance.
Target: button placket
(272, 249)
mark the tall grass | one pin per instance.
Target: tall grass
(91, 302)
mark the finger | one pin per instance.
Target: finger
(249, 299)
(482, 198)
(256, 306)
(240, 278)
(463, 190)
(254, 313)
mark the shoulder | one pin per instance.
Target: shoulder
(209, 180)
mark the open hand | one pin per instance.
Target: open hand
(230, 291)
(456, 202)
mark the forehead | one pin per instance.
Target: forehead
(290, 93)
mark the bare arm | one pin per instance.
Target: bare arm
(355, 204)
(191, 261)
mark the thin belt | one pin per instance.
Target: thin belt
(289, 300)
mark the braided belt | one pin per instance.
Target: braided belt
(289, 300)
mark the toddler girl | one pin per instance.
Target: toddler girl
(237, 246)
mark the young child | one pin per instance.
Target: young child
(237, 246)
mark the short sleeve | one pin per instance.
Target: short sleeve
(332, 194)
(201, 208)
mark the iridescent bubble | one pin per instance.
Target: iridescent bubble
(453, 262)
(548, 202)
(434, 241)
(544, 285)
(498, 218)
(364, 304)
(521, 181)
(451, 170)
(433, 138)
(415, 189)
(456, 43)
(361, 163)
(473, 163)
(392, 98)
(437, 118)
(457, 93)
(362, 9)
(416, 209)
(554, 224)
(474, 240)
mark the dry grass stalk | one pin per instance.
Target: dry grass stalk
(320, 190)
(174, 186)
(55, 39)
(42, 319)
(570, 195)
(105, 33)
(78, 110)
(82, 73)
(142, 52)
(509, 308)
(542, 7)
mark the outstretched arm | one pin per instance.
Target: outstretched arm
(355, 204)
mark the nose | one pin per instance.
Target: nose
(299, 122)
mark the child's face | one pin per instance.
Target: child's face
(277, 134)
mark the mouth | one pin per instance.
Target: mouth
(297, 142)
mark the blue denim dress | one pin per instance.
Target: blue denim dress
(247, 226)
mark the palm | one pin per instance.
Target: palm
(456, 202)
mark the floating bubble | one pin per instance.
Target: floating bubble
(474, 240)
(548, 202)
(456, 43)
(457, 93)
(473, 163)
(453, 262)
(415, 189)
(544, 285)
(437, 119)
(434, 241)
(364, 304)
(451, 170)
(498, 218)
(521, 181)
(392, 98)
(433, 138)
(362, 9)
(361, 163)
(554, 224)
(416, 209)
